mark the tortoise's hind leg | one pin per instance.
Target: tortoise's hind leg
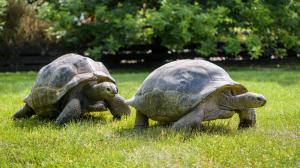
(71, 111)
(24, 112)
(141, 120)
(191, 119)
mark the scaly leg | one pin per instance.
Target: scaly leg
(247, 118)
(192, 119)
(141, 120)
(99, 106)
(24, 112)
(71, 111)
(118, 107)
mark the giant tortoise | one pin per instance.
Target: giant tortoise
(70, 86)
(187, 92)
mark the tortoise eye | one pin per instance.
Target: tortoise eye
(108, 89)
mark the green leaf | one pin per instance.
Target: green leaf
(208, 48)
(254, 46)
(232, 46)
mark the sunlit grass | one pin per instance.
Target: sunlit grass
(98, 141)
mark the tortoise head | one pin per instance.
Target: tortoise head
(103, 90)
(250, 100)
(109, 92)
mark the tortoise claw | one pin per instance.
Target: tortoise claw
(246, 124)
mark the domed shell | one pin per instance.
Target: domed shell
(57, 78)
(177, 87)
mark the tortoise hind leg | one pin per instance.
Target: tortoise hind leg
(71, 111)
(191, 119)
(141, 120)
(24, 112)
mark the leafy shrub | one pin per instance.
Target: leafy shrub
(106, 26)
(3, 4)
(97, 26)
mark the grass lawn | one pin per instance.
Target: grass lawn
(98, 141)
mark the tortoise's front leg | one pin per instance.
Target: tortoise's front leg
(118, 107)
(24, 112)
(71, 111)
(99, 106)
(247, 118)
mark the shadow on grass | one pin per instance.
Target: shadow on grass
(36, 121)
(159, 131)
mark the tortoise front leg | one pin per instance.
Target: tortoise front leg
(24, 112)
(192, 119)
(247, 118)
(118, 107)
(99, 106)
(71, 111)
(141, 120)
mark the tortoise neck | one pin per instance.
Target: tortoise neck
(238, 102)
(231, 102)
(93, 92)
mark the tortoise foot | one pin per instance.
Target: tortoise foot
(246, 124)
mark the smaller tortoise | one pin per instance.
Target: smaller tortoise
(188, 92)
(70, 86)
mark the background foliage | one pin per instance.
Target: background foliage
(20, 27)
(3, 4)
(254, 28)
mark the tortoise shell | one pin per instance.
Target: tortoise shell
(177, 87)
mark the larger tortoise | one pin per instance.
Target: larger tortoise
(187, 92)
(70, 86)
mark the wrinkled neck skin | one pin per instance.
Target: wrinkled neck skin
(235, 103)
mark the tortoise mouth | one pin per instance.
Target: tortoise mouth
(264, 103)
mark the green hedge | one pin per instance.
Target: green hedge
(3, 6)
(229, 26)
